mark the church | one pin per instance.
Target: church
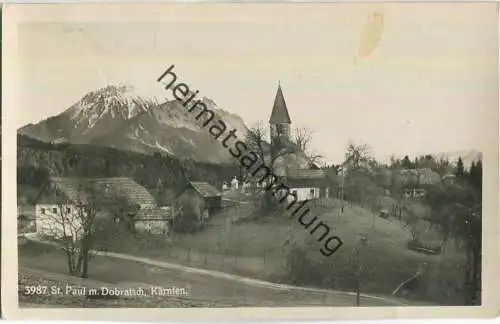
(305, 179)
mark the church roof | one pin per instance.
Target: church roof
(279, 114)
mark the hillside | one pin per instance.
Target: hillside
(264, 248)
(45, 265)
(118, 117)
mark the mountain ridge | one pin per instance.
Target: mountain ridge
(116, 116)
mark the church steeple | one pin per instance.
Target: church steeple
(280, 119)
(279, 115)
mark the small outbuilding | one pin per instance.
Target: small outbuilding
(154, 221)
(202, 198)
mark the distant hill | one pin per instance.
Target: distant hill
(118, 117)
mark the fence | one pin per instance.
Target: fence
(269, 262)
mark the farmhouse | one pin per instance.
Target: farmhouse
(417, 181)
(63, 204)
(305, 178)
(203, 197)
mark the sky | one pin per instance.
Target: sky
(430, 85)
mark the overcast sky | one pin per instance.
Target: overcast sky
(429, 86)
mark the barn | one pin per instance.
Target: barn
(202, 197)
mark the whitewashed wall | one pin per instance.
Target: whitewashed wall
(305, 193)
(51, 222)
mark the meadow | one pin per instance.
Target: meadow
(262, 248)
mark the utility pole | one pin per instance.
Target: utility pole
(362, 242)
(342, 176)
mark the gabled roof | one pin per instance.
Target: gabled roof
(307, 174)
(428, 177)
(158, 214)
(130, 189)
(279, 115)
(205, 189)
(77, 189)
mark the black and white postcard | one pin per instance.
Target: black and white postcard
(212, 161)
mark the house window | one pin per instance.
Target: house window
(54, 210)
(68, 210)
(311, 193)
(42, 210)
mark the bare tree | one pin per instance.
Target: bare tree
(302, 139)
(73, 227)
(256, 141)
(357, 154)
(121, 209)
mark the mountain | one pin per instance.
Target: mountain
(468, 156)
(118, 117)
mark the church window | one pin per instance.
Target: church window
(280, 129)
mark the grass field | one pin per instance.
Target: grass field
(31, 277)
(256, 249)
(44, 264)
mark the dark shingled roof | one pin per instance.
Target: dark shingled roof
(153, 214)
(74, 188)
(206, 190)
(307, 174)
(279, 114)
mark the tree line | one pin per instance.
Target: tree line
(162, 175)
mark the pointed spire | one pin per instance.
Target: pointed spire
(279, 114)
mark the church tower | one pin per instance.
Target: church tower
(280, 120)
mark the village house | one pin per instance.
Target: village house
(60, 206)
(309, 184)
(203, 197)
(420, 181)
